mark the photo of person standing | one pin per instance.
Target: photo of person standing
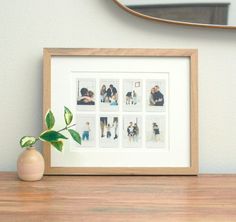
(86, 126)
(132, 95)
(85, 135)
(109, 131)
(132, 138)
(156, 133)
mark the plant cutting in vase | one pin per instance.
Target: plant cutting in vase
(52, 136)
(30, 164)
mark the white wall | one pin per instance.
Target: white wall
(232, 8)
(27, 26)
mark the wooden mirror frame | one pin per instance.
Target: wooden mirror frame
(170, 21)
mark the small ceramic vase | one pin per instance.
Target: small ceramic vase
(30, 165)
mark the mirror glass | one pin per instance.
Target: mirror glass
(207, 12)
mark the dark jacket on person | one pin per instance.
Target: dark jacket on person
(109, 92)
(158, 96)
(130, 132)
(129, 94)
(156, 131)
(83, 102)
(114, 91)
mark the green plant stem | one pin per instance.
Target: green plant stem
(65, 128)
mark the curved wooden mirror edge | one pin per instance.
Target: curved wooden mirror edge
(122, 6)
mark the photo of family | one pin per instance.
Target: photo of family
(86, 89)
(86, 126)
(155, 95)
(132, 95)
(109, 95)
(109, 131)
(132, 135)
(123, 113)
(155, 131)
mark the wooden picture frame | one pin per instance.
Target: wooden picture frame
(191, 58)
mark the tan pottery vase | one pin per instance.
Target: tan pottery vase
(30, 165)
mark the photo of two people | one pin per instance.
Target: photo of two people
(140, 118)
(132, 135)
(132, 95)
(86, 94)
(156, 95)
(156, 98)
(154, 132)
(109, 131)
(133, 132)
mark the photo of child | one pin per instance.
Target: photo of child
(132, 95)
(86, 130)
(86, 126)
(122, 120)
(109, 91)
(109, 131)
(131, 131)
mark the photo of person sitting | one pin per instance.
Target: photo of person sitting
(156, 98)
(86, 97)
(131, 98)
(109, 95)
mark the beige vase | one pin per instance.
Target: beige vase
(30, 165)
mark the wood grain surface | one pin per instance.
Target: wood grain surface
(118, 198)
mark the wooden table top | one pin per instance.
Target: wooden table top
(119, 198)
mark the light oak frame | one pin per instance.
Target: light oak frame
(192, 54)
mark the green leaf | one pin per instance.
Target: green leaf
(58, 145)
(50, 120)
(68, 116)
(75, 135)
(27, 141)
(51, 136)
